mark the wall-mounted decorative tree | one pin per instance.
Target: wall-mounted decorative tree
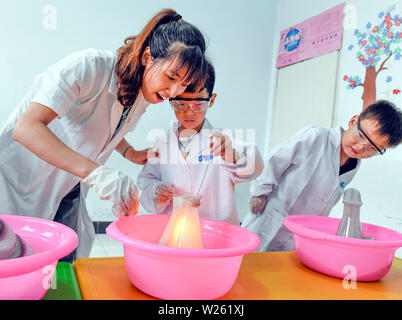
(376, 46)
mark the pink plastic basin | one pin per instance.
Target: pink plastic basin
(180, 274)
(319, 248)
(28, 278)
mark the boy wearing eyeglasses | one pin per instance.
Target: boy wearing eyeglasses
(308, 173)
(196, 158)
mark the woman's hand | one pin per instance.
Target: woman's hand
(138, 157)
(112, 184)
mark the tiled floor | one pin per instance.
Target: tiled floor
(106, 247)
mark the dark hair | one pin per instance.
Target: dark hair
(168, 37)
(209, 80)
(389, 118)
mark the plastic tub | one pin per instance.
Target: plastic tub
(319, 248)
(28, 278)
(175, 273)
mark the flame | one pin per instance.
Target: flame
(183, 229)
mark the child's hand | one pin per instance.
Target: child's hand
(221, 145)
(164, 194)
(258, 204)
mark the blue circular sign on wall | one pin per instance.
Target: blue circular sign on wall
(292, 40)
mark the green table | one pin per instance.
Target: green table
(64, 285)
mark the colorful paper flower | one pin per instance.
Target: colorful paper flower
(377, 42)
(387, 17)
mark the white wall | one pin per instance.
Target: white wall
(240, 44)
(379, 179)
(290, 13)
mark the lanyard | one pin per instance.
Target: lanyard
(121, 122)
(185, 154)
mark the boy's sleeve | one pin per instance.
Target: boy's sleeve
(148, 180)
(292, 152)
(248, 166)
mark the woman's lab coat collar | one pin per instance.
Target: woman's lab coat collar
(113, 82)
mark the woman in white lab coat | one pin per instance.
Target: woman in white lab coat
(308, 173)
(79, 110)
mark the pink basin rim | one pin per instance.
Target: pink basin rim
(251, 242)
(19, 266)
(293, 224)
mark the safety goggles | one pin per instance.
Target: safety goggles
(181, 104)
(362, 139)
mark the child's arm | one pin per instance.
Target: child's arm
(243, 162)
(288, 156)
(292, 152)
(148, 182)
(248, 164)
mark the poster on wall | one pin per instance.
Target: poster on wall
(312, 38)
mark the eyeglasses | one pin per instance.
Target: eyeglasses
(181, 104)
(361, 137)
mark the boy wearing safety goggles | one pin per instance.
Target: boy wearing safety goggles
(196, 158)
(308, 173)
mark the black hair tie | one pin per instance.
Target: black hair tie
(177, 17)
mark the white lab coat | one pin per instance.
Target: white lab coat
(301, 176)
(81, 89)
(217, 201)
